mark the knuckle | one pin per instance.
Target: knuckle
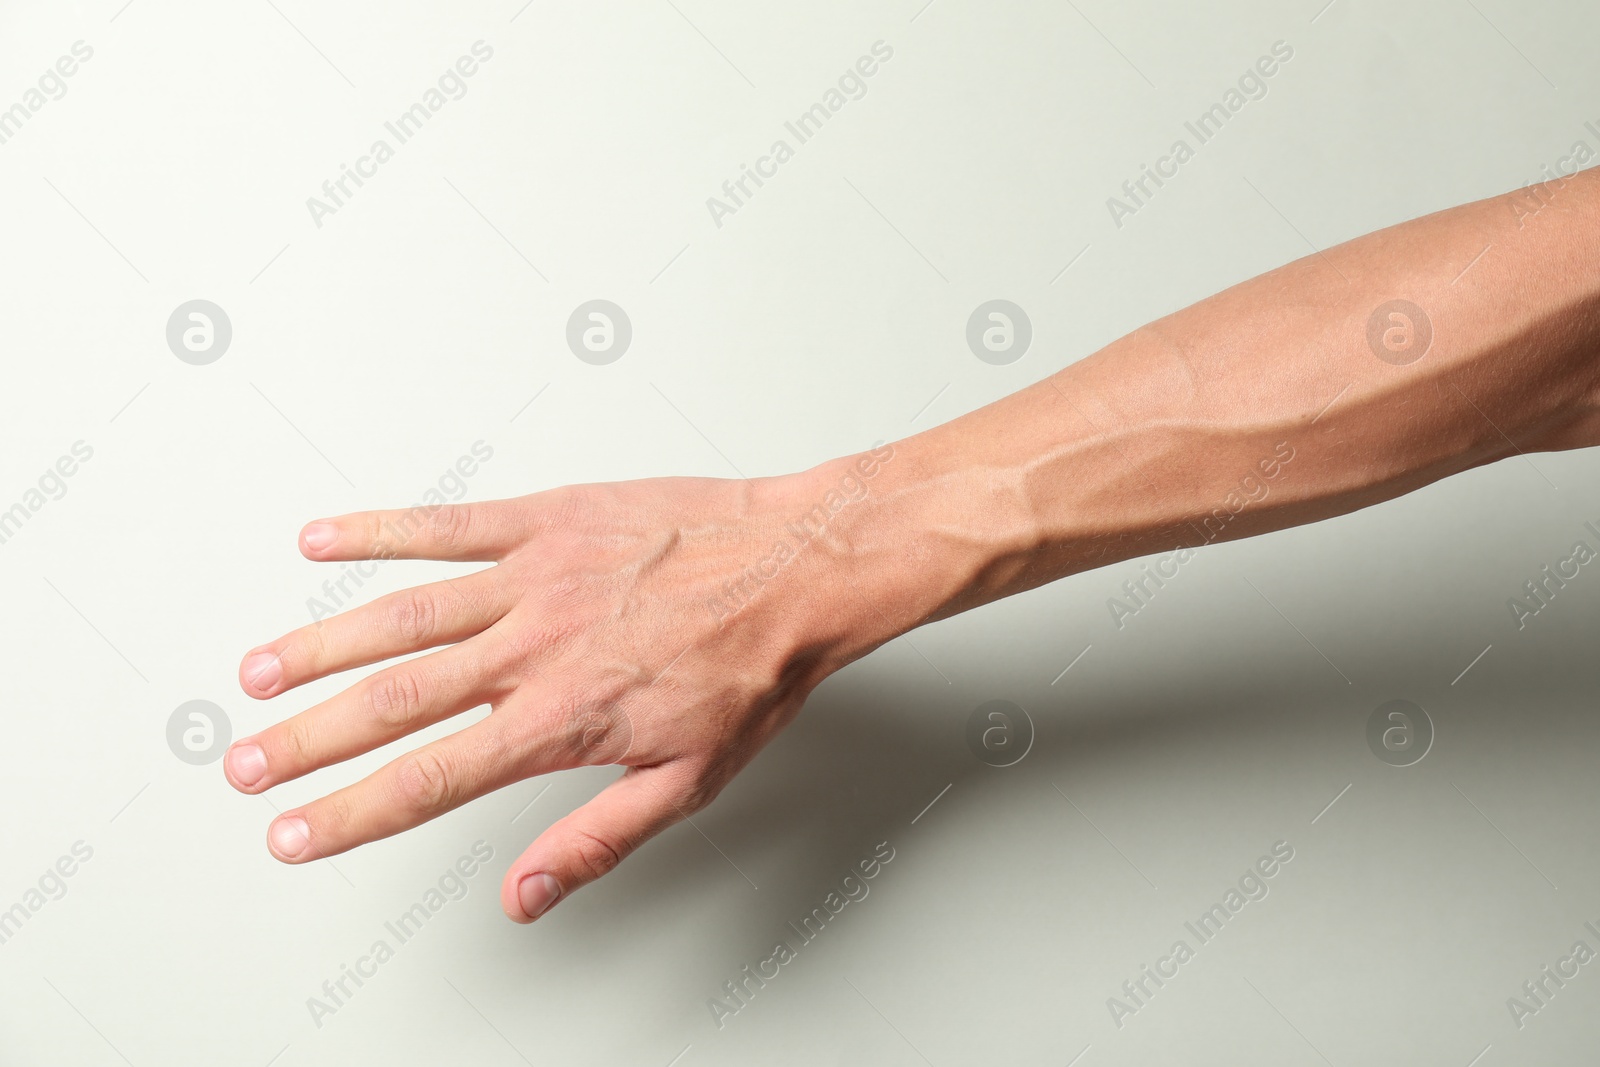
(599, 735)
(414, 617)
(331, 817)
(538, 638)
(426, 782)
(385, 533)
(296, 750)
(700, 793)
(395, 699)
(451, 524)
(304, 650)
(559, 508)
(595, 855)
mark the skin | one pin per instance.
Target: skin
(674, 626)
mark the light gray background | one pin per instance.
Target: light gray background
(829, 312)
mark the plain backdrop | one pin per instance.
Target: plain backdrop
(429, 313)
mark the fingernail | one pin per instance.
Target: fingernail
(536, 893)
(246, 764)
(262, 671)
(319, 535)
(289, 836)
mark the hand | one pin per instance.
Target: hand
(643, 623)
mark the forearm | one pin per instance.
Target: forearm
(1263, 407)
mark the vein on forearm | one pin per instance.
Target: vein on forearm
(1133, 449)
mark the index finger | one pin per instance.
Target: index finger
(466, 533)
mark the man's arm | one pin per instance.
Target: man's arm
(1307, 392)
(674, 626)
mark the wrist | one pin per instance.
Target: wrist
(912, 532)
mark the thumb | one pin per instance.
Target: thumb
(591, 841)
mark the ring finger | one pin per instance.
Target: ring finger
(409, 791)
(389, 705)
